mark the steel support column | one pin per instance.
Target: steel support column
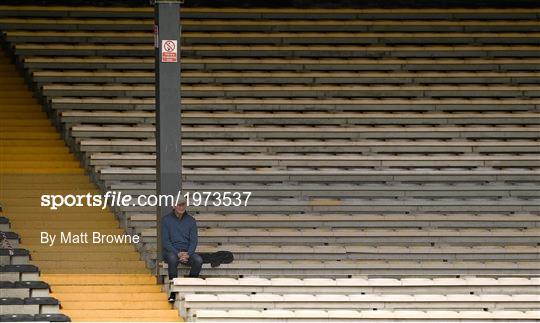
(168, 108)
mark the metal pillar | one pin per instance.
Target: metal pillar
(168, 108)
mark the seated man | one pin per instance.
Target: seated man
(179, 240)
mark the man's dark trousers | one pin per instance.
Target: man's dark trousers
(195, 262)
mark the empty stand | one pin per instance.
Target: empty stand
(376, 143)
(441, 117)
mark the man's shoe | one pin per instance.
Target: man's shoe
(172, 298)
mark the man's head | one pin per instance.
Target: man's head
(180, 208)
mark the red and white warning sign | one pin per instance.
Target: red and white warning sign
(169, 51)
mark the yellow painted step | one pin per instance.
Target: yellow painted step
(23, 213)
(18, 100)
(77, 211)
(45, 188)
(109, 230)
(18, 147)
(73, 249)
(62, 221)
(62, 214)
(107, 297)
(19, 87)
(24, 100)
(19, 93)
(25, 163)
(61, 280)
(67, 226)
(116, 305)
(28, 200)
(55, 181)
(38, 191)
(33, 219)
(16, 86)
(15, 200)
(41, 171)
(24, 122)
(67, 215)
(61, 225)
(100, 289)
(30, 233)
(35, 201)
(158, 319)
(89, 255)
(22, 106)
(29, 128)
(24, 110)
(27, 145)
(38, 157)
(36, 150)
(90, 271)
(151, 315)
(23, 177)
(12, 80)
(11, 115)
(130, 319)
(43, 179)
(102, 264)
(44, 135)
(9, 77)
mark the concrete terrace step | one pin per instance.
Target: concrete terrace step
(277, 13)
(326, 51)
(299, 104)
(300, 91)
(89, 71)
(245, 24)
(37, 63)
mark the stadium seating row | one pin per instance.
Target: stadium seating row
(355, 298)
(23, 297)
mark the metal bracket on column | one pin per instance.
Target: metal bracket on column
(153, 2)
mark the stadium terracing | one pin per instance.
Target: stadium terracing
(392, 155)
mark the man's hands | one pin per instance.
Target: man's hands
(183, 256)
